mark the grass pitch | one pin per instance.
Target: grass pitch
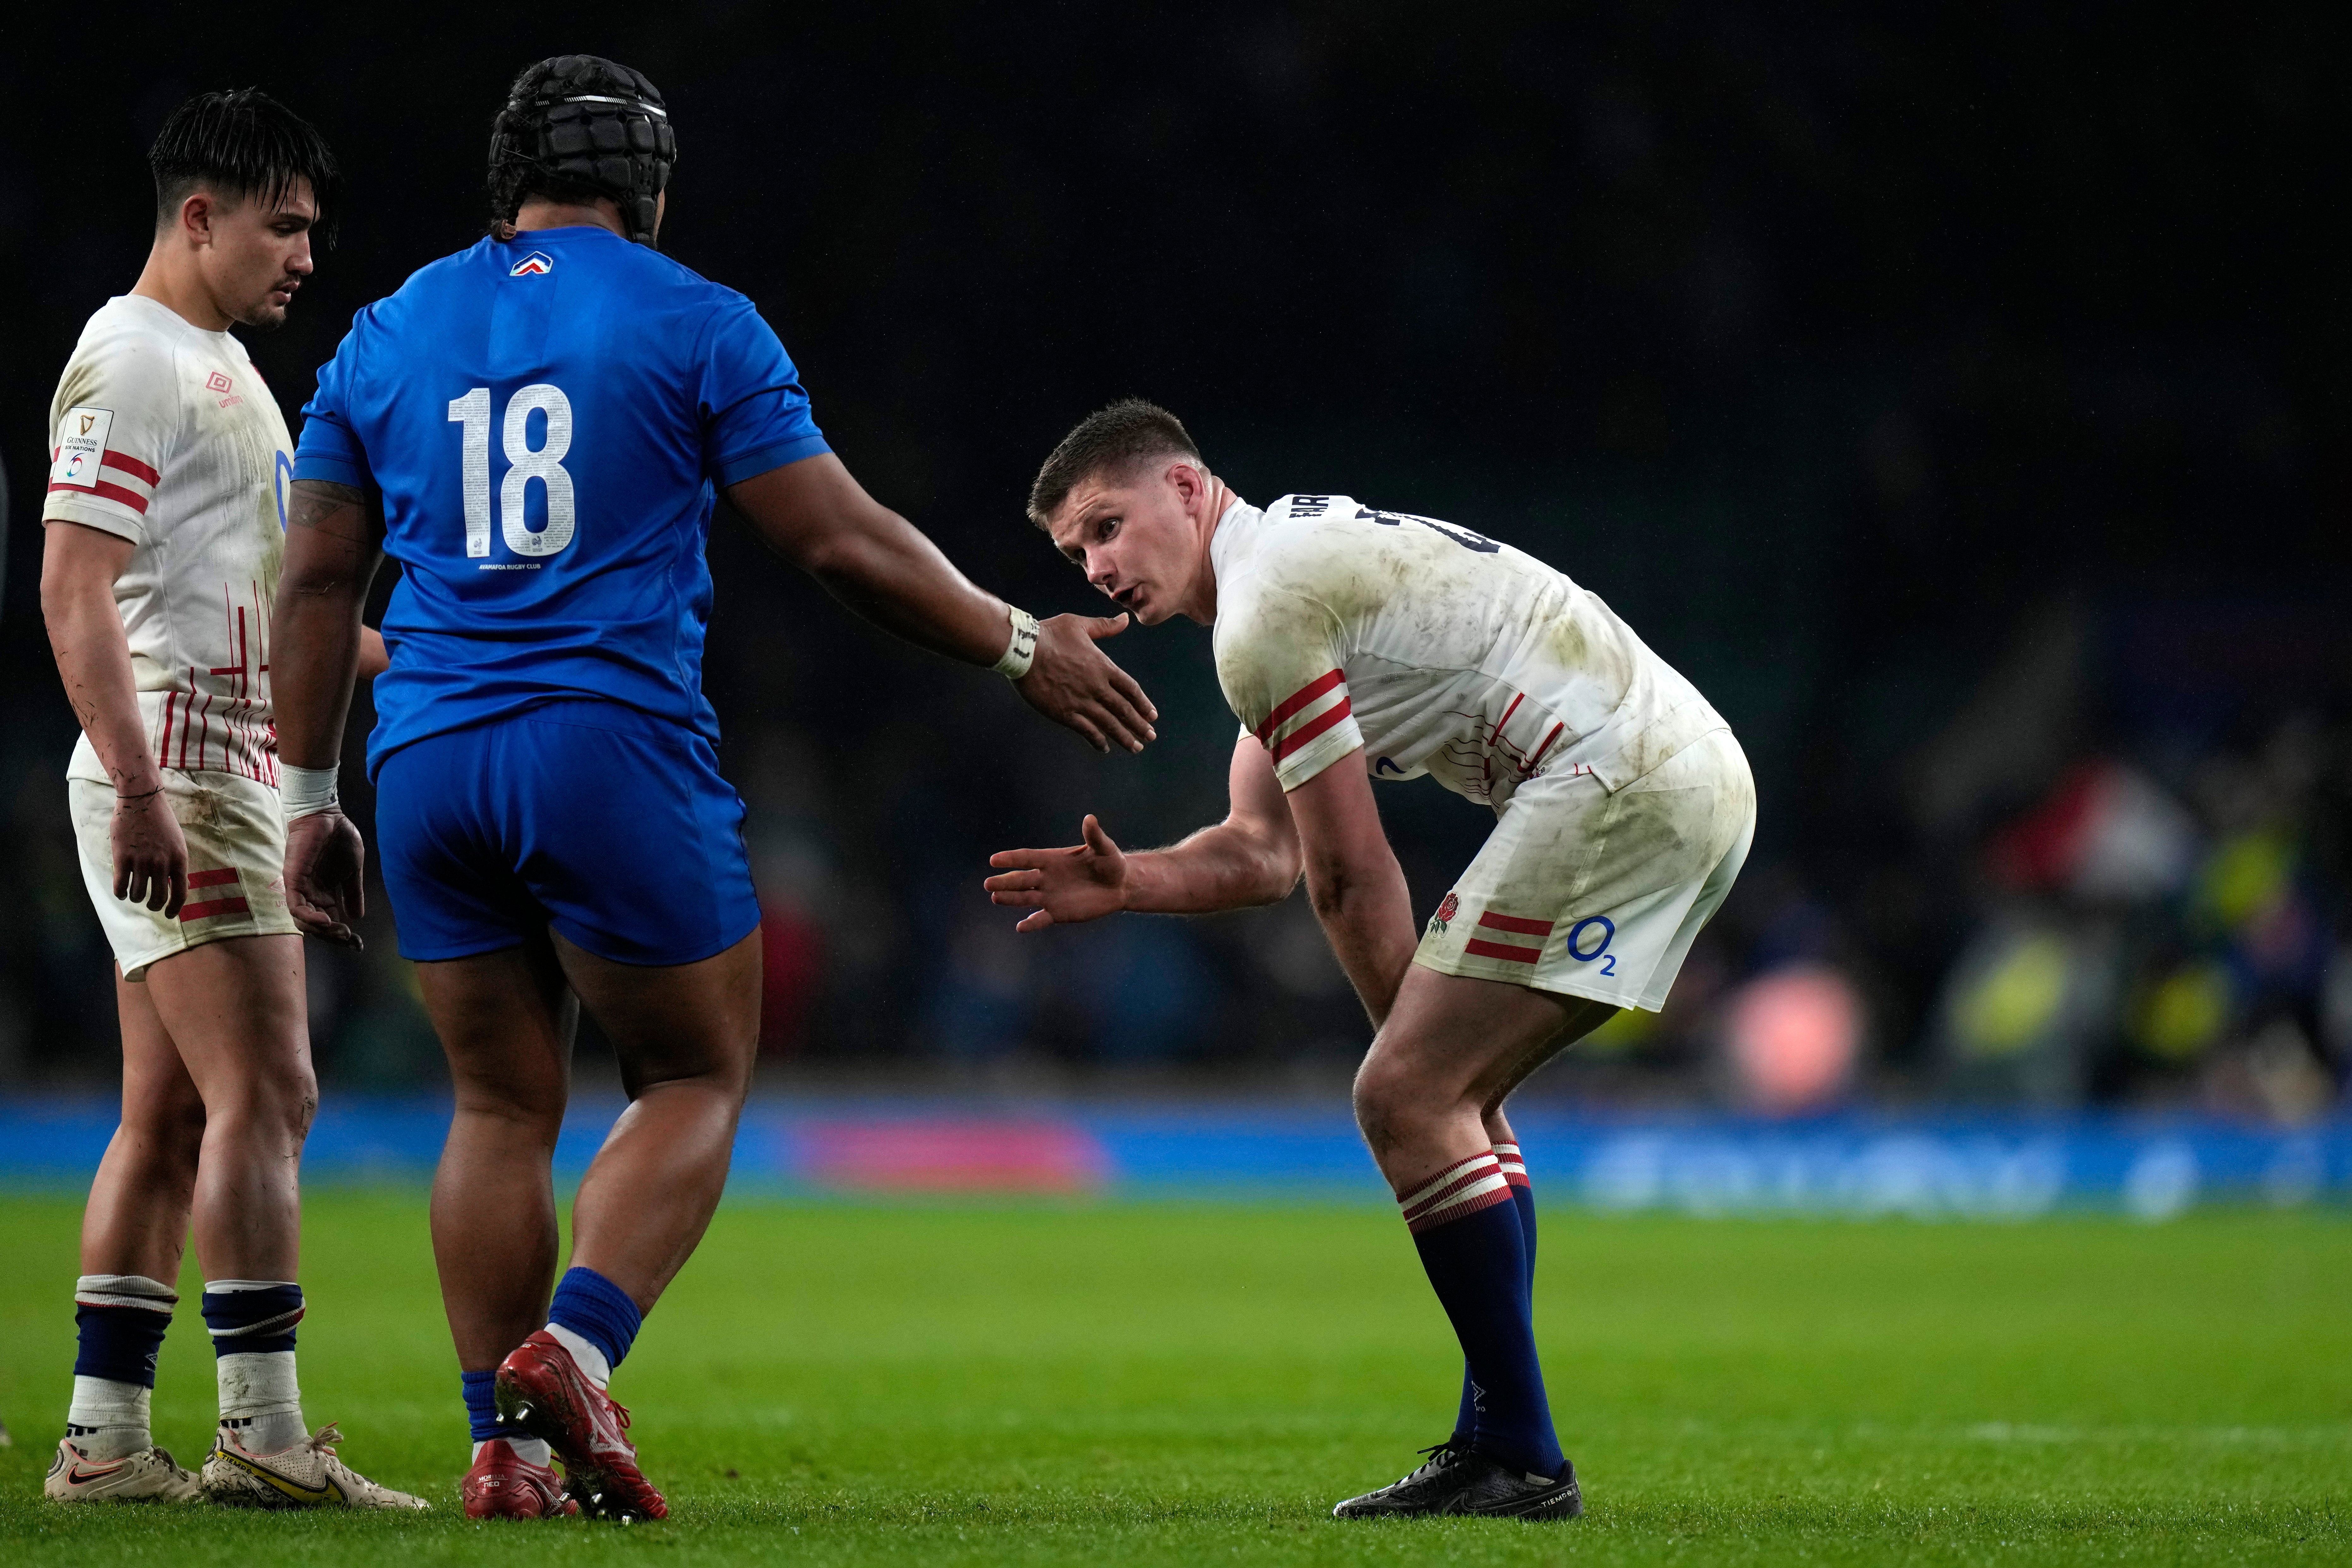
(1148, 1384)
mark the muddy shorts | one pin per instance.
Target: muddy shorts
(235, 833)
(1600, 895)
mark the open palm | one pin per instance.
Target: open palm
(1083, 882)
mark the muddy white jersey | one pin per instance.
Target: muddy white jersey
(163, 434)
(1435, 650)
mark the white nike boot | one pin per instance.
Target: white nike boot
(147, 1476)
(307, 1475)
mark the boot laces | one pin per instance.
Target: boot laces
(1440, 1455)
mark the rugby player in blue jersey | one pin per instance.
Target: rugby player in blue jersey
(535, 428)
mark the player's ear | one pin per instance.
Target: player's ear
(196, 217)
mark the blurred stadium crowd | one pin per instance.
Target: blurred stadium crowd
(1955, 396)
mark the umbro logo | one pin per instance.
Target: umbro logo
(217, 381)
(532, 266)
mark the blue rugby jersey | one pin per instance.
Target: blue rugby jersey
(547, 419)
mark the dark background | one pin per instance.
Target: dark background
(1955, 392)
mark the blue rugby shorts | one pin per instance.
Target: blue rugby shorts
(609, 824)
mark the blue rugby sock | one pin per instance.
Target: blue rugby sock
(482, 1419)
(1523, 1195)
(592, 1309)
(481, 1405)
(1466, 1229)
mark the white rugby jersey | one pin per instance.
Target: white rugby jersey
(163, 434)
(1435, 650)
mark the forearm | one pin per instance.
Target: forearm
(816, 514)
(887, 572)
(94, 661)
(1367, 913)
(318, 659)
(1220, 867)
(331, 558)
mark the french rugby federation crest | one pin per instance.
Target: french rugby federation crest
(532, 266)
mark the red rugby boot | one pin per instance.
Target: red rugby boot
(504, 1485)
(542, 1392)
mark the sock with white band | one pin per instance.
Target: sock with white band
(121, 1319)
(1466, 1229)
(482, 1419)
(252, 1323)
(594, 1319)
(1523, 1197)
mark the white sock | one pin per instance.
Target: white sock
(260, 1401)
(592, 1360)
(108, 1420)
(530, 1450)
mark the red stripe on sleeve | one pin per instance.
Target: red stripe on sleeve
(1296, 700)
(128, 465)
(1494, 921)
(1313, 728)
(1496, 950)
(131, 499)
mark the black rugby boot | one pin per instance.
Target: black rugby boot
(1458, 1480)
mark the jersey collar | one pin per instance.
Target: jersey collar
(1235, 539)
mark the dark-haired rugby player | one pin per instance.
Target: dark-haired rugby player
(1357, 646)
(165, 533)
(547, 417)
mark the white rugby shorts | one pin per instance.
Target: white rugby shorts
(1600, 895)
(236, 834)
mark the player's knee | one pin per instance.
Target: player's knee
(1387, 1098)
(525, 1105)
(163, 1140)
(280, 1102)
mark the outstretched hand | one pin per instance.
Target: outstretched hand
(1074, 683)
(1083, 882)
(325, 891)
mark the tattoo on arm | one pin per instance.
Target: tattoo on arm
(340, 511)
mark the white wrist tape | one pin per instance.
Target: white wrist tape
(1022, 651)
(306, 792)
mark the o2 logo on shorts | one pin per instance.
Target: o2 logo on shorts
(1577, 937)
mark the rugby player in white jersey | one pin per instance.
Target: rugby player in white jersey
(165, 529)
(1358, 644)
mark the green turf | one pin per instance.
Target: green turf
(1139, 1384)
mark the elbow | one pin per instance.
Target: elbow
(835, 559)
(63, 599)
(1282, 872)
